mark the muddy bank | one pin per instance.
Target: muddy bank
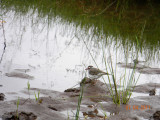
(140, 68)
(19, 75)
(95, 105)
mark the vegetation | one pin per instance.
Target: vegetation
(17, 108)
(122, 19)
(80, 100)
(28, 87)
(37, 96)
(126, 81)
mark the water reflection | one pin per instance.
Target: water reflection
(56, 54)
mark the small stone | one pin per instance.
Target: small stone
(72, 90)
(2, 96)
(152, 92)
(19, 75)
(21, 116)
(52, 108)
(156, 115)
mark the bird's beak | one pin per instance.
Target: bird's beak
(86, 69)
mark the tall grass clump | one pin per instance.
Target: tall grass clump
(127, 81)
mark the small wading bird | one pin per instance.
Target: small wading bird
(95, 73)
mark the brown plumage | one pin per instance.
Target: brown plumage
(95, 73)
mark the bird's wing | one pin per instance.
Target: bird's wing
(95, 71)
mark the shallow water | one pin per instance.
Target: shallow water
(57, 55)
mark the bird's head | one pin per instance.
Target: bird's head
(89, 67)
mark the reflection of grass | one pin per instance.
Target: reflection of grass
(124, 18)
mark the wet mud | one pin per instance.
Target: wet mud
(140, 68)
(95, 105)
(19, 116)
(19, 75)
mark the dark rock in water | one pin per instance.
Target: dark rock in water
(156, 115)
(152, 92)
(19, 75)
(2, 96)
(85, 80)
(52, 108)
(75, 90)
(21, 116)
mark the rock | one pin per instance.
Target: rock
(156, 115)
(21, 116)
(152, 92)
(2, 96)
(85, 80)
(19, 75)
(140, 68)
(75, 90)
(52, 108)
(147, 88)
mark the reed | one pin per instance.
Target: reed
(80, 99)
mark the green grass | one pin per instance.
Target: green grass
(80, 100)
(28, 87)
(37, 97)
(17, 114)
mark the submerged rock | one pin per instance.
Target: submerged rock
(149, 70)
(140, 68)
(147, 88)
(22, 70)
(19, 75)
(132, 65)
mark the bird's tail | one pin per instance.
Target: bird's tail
(107, 73)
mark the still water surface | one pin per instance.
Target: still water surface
(57, 54)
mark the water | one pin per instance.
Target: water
(57, 53)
